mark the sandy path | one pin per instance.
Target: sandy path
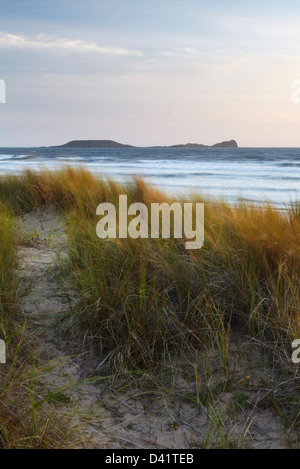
(123, 420)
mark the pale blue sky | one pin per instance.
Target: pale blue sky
(149, 72)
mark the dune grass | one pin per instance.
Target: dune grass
(27, 419)
(143, 305)
(140, 293)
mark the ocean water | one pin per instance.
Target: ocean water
(255, 174)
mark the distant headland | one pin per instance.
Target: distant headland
(229, 144)
(92, 144)
(112, 144)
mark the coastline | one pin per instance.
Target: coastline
(140, 342)
(230, 174)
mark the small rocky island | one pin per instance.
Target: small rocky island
(112, 144)
(229, 144)
(92, 144)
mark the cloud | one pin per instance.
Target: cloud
(41, 41)
(180, 52)
(189, 50)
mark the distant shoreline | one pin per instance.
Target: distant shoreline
(113, 144)
(154, 146)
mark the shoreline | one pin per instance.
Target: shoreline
(141, 343)
(251, 174)
(189, 194)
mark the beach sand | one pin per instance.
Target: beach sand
(133, 418)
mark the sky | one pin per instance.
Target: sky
(150, 72)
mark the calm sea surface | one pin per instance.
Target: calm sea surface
(256, 174)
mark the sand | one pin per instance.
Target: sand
(127, 419)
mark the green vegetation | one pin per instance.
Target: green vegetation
(27, 420)
(150, 310)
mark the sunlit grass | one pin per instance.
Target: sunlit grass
(27, 419)
(141, 305)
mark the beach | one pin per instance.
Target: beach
(232, 174)
(142, 343)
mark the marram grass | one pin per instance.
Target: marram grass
(140, 292)
(27, 420)
(142, 303)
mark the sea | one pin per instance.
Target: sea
(250, 174)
